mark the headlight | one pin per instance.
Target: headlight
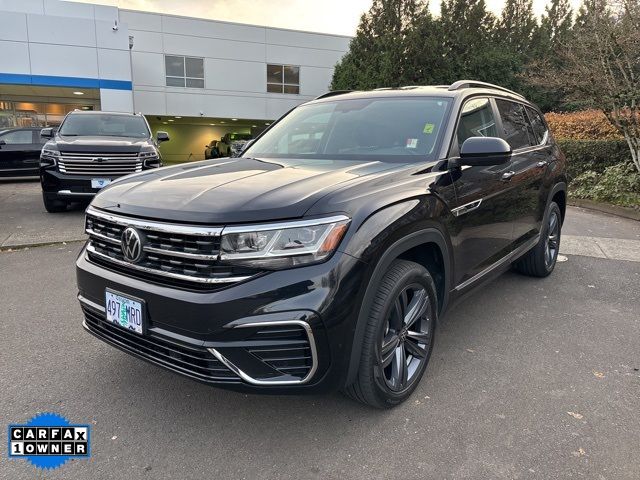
(150, 157)
(48, 157)
(283, 245)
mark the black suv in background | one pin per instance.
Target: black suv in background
(90, 150)
(324, 257)
(20, 152)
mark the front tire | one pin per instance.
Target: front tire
(541, 259)
(52, 205)
(398, 336)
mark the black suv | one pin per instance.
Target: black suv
(325, 255)
(90, 150)
(20, 152)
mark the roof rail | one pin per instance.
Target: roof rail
(333, 93)
(475, 84)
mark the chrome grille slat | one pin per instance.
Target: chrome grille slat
(189, 255)
(110, 164)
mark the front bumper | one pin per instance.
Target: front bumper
(283, 332)
(58, 185)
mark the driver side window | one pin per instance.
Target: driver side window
(476, 120)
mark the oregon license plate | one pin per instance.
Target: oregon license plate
(124, 311)
(100, 182)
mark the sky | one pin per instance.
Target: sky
(328, 16)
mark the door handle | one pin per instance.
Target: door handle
(507, 176)
(542, 164)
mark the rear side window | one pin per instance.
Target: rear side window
(538, 124)
(517, 129)
(476, 120)
(18, 137)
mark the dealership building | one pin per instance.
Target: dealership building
(197, 79)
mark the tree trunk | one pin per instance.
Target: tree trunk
(634, 147)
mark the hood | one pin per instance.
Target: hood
(233, 190)
(101, 144)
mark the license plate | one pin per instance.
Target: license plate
(124, 311)
(100, 182)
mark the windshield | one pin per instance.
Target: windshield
(384, 128)
(104, 125)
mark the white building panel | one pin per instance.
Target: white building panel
(107, 37)
(212, 29)
(276, 106)
(213, 47)
(106, 13)
(78, 61)
(315, 80)
(302, 56)
(144, 41)
(68, 9)
(116, 100)
(148, 69)
(235, 76)
(150, 103)
(151, 22)
(196, 104)
(62, 30)
(114, 64)
(276, 36)
(15, 57)
(13, 26)
(23, 6)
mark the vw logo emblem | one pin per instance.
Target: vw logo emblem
(131, 244)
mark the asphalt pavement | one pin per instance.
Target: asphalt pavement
(529, 379)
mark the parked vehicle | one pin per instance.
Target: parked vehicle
(232, 144)
(211, 150)
(92, 149)
(20, 152)
(325, 256)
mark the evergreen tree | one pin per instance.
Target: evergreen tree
(556, 23)
(517, 25)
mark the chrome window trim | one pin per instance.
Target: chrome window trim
(205, 281)
(254, 381)
(172, 253)
(156, 226)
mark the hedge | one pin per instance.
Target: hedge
(593, 155)
(583, 125)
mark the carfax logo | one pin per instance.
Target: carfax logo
(48, 440)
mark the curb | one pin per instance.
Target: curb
(13, 248)
(617, 210)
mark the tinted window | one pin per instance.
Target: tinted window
(476, 120)
(18, 137)
(517, 130)
(104, 125)
(539, 126)
(371, 128)
(283, 79)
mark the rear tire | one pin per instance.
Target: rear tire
(53, 205)
(541, 259)
(398, 337)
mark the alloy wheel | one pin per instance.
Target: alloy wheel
(406, 338)
(553, 240)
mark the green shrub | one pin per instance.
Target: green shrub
(618, 184)
(593, 155)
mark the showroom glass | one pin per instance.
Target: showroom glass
(539, 127)
(476, 120)
(104, 125)
(283, 79)
(517, 130)
(18, 137)
(379, 128)
(184, 71)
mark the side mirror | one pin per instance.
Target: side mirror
(484, 151)
(162, 137)
(46, 133)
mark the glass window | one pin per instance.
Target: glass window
(184, 71)
(538, 124)
(18, 137)
(283, 79)
(384, 129)
(476, 120)
(517, 130)
(104, 125)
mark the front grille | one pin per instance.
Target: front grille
(287, 349)
(175, 255)
(188, 360)
(99, 164)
